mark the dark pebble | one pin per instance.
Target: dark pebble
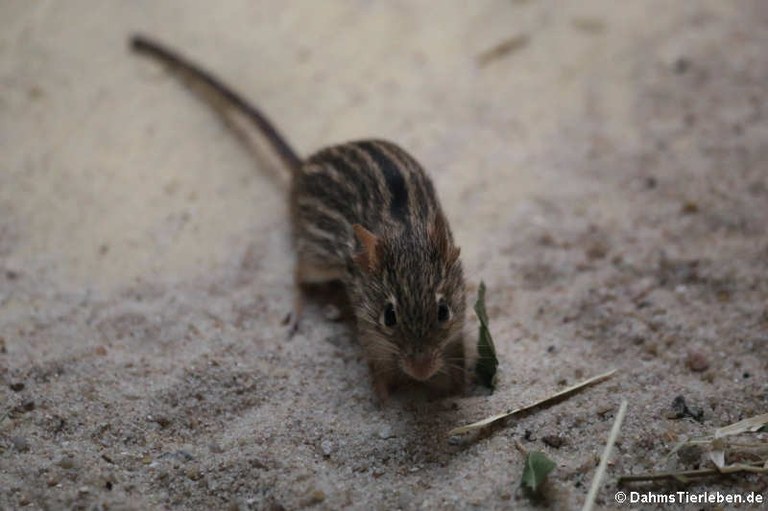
(681, 410)
(555, 441)
(697, 361)
(17, 387)
(689, 208)
(162, 421)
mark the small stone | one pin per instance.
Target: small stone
(386, 432)
(180, 455)
(554, 441)
(596, 251)
(455, 440)
(697, 361)
(100, 351)
(161, 421)
(17, 386)
(193, 473)
(146, 460)
(327, 447)
(20, 443)
(689, 208)
(331, 312)
(26, 406)
(316, 496)
(680, 410)
(67, 462)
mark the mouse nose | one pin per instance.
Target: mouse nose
(421, 366)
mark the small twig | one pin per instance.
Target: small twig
(747, 425)
(548, 400)
(683, 475)
(597, 481)
(502, 49)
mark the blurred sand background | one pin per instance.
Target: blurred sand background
(605, 173)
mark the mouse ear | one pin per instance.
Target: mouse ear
(368, 258)
(440, 234)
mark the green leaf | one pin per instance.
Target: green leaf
(537, 466)
(485, 369)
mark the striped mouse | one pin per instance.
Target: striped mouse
(366, 213)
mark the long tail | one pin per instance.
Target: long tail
(142, 44)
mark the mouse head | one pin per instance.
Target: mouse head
(409, 296)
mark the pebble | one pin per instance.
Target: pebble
(386, 432)
(316, 496)
(681, 409)
(67, 462)
(24, 407)
(20, 443)
(193, 473)
(17, 386)
(331, 312)
(697, 361)
(555, 441)
(327, 447)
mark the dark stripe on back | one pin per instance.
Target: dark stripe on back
(393, 178)
(423, 194)
(350, 165)
(325, 188)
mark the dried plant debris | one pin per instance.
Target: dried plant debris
(542, 402)
(751, 425)
(485, 369)
(503, 49)
(737, 448)
(537, 468)
(597, 481)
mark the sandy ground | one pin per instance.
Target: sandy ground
(607, 177)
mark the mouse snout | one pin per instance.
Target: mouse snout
(421, 366)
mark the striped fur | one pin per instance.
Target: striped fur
(373, 183)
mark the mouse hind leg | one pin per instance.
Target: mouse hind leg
(306, 273)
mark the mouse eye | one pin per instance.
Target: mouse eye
(443, 313)
(389, 318)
